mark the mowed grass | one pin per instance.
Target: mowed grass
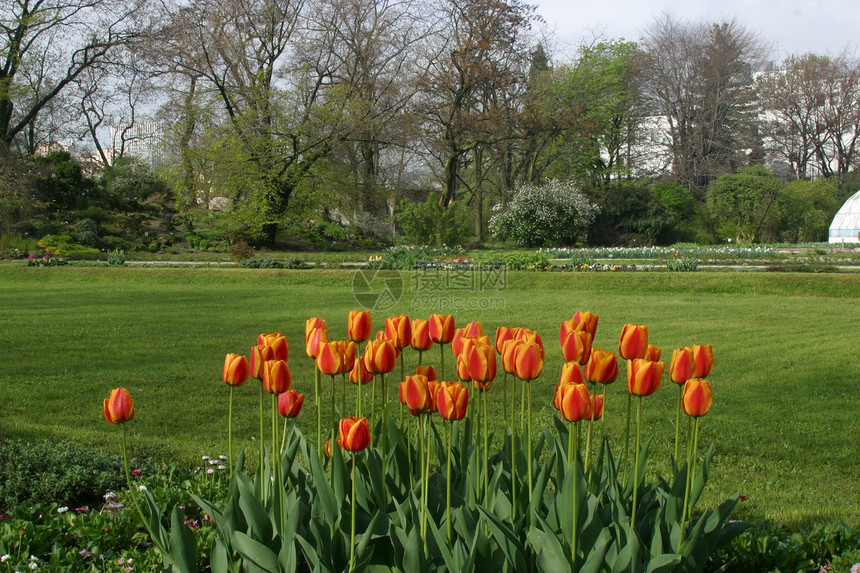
(785, 421)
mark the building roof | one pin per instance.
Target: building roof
(846, 223)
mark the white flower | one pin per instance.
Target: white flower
(63, 509)
(142, 488)
(33, 566)
(210, 471)
(5, 558)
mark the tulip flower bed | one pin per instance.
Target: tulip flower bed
(482, 486)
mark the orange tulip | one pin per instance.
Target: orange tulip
(398, 329)
(704, 355)
(509, 355)
(346, 349)
(433, 387)
(360, 373)
(463, 369)
(480, 359)
(452, 399)
(441, 328)
(457, 341)
(290, 403)
(428, 371)
(380, 356)
(421, 335)
(312, 324)
(527, 335)
(329, 358)
(683, 365)
(697, 398)
(277, 343)
(277, 377)
(416, 393)
(119, 407)
(576, 346)
(529, 361)
(313, 340)
(359, 325)
(596, 407)
(601, 368)
(644, 376)
(652, 353)
(354, 434)
(575, 403)
(328, 448)
(259, 355)
(503, 335)
(633, 342)
(474, 329)
(236, 370)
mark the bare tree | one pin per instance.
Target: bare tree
(700, 80)
(46, 44)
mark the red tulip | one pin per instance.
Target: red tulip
(683, 365)
(346, 349)
(290, 403)
(313, 340)
(433, 387)
(359, 325)
(360, 373)
(441, 328)
(571, 373)
(575, 402)
(428, 371)
(601, 368)
(480, 359)
(633, 342)
(503, 335)
(328, 448)
(576, 346)
(421, 335)
(452, 399)
(119, 407)
(354, 434)
(277, 343)
(509, 355)
(380, 356)
(236, 370)
(259, 355)
(529, 361)
(457, 341)
(277, 377)
(652, 353)
(398, 330)
(697, 398)
(313, 324)
(329, 359)
(416, 393)
(474, 329)
(704, 355)
(644, 376)
(596, 407)
(463, 369)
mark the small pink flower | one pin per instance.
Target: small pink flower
(136, 472)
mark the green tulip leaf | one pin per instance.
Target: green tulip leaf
(183, 549)
(255, 553)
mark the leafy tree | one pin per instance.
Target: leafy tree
(683, 210)
(803, 211)
(629, 214)
(429, 223)
(739, 203)
(58, 182)
(553, 214)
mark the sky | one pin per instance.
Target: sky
(790, 26)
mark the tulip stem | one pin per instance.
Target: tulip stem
(627, 436)
(343, 394)
(513, 449)
(442, 361)
(230, 429)
(448, 480)
(408, 447)
(427, 481)
(423, 476)
(262, 442)
(692, 454)
(603, 419)
(352, 519)
(636, 463)
(531, 453)
(420, 354)
(479, 415)
(372, 399)
(587, 467)
(675, 464)
(570, 444)
(275, 456)
(317, 384)
(486, 448)
(575, 484)
(358, 404)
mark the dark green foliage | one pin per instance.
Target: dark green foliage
(429, 223)
(87, 232)
(58, 181)
(48, 472)
(803, 212)
(241, 251)
(629, 215)
(739, 203)
(270, 263)
(65, 246)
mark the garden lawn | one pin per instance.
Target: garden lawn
(786, 378)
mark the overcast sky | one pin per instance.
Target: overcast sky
(792, 26)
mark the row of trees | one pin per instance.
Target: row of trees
(291, 109)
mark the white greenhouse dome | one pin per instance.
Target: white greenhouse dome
(845, 227)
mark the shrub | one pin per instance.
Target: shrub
(87, 232)
(116, 257)
(241, 251)
(65, 246)
(682, 265)
(556, 213)
(270, 263)
(49, 472)
(429, 223)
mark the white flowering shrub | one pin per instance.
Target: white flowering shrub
(555, 213)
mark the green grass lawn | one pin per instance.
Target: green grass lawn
(786, 379)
